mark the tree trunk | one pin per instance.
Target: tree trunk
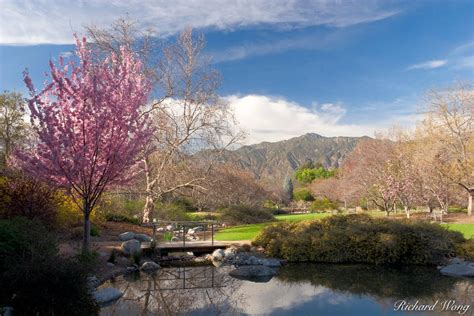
(469, 205)
(149, 208)
(87, 228)
(407, 211)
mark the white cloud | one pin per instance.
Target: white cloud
(431, 64)
(53, 21)
(273, 119)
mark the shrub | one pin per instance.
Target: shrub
(243, 214)
(360, 239)
(22, 196)
(466, 249)
(322, 204)
(121, 218)
(303, 195)
(95, 231)
(35, 280)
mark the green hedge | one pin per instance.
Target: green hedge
(360, 239)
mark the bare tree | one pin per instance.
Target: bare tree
(450, 121)
(13, 127)
(188, 113)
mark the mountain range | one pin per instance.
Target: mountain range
(271, 162)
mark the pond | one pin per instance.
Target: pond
(299, 289)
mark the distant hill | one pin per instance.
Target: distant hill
(271, 162)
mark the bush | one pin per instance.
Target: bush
(35, 280)
(243, 214)
(22, 196)
(121, 218)
(360, 239)
(303, 195)
(322, 204)
(466, 249)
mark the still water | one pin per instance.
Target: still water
(299, 289)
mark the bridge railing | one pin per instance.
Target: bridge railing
(183, 231)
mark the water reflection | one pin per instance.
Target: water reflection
(306, 289)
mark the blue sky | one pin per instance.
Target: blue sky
(289, 67)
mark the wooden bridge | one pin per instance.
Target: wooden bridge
(180, 241)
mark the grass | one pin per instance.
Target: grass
(247, 232)
(466, 229)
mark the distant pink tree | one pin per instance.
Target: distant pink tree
(89, 127)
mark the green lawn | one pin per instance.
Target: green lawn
(246, 232)
(466, 229)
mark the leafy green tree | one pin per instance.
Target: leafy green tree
(323, 204)
(303, 195)
(306, 175)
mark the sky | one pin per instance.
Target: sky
(336, 68)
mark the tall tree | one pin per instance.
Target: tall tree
(89, 124)
(187, 112)
(13, 127)
(450, 120)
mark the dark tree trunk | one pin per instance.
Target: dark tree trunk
(87, 228)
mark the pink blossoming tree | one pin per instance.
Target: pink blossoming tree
(89, 125)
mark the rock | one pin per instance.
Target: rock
(103, 254)
(256, 273)
(6, 311)
(174, 239)
(218, 255)
(231, 251)
(252, 260)
(142, 237)
(110, 264)
(131, 269)
(169, 227)
(131, 247)
(127, 236)
(198, 229)
(274, 263)
(201, 259)
(160, 229)
(150, 266)
(107, 295)
(191, 231)
(92, 283)
(459, 269)
(456, 261)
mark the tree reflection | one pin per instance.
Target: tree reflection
(173, 291)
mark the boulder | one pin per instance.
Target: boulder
(191, 231)
(459, 269)
(274, 263)
(107, 295)
(218, 255)
(252, 260)
(169, 227)
(256, 273)
(160, 229)
(198, 229)
(92, 283)
(142, 237)
(126, 236)
(231, 251)
(149, 266)
(174, 239)
(131, 247)
(6, 311)
(110, 264)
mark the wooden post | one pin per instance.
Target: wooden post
(212, 233)
(184, 237)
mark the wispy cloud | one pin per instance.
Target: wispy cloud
(33, 22)
(430, 64)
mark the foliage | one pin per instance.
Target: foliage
(89, 124)
(303, 195)
(110, 217)
(322, 204)
(360, 239)
(307, 175)
(13, 128)
(32, 272)
(95, 231)
(24, 196)
(466, 249)
(243, 214)
(288, 188)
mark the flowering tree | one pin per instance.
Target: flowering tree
(89, 124)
